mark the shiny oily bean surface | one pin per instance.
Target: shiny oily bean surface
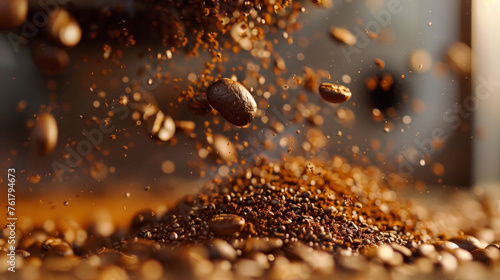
(233, 101)
(226, 224)
(334, 93)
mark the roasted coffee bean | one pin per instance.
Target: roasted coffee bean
(173, 236)
(185, 126)
(445, 246)
(462, 255)
(226, 224)
(264, 245)
(343, 35)
(161, 126)
(482, 255)
(12, 13)
(140, 247)
(198, 105)
(56, 247)
(402, 250)
(334, 93)
(318, 261)
(428, 251)
(467, 242)
(353, 263)
(220, 249)
(233, 101)
(225, 148)
(63, 28)
(50, 59)
(45, 133)
(23, 253)
(448, 262)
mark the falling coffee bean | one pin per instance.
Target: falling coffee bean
(226, 224)
(12, 13)
(45, 133)
(199, 105)
(50, 59)
(63, 28)
(161, 126)
(343, 35)
(334, 93)
(233, 101)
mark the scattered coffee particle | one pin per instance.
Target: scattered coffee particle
(380, 63)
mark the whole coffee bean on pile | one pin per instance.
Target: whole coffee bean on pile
(233, 101)
(334, 93)
(226, 224)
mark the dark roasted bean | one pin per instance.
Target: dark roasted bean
(466, 242)
(45, 133)
(334, 93)
(484, 256)
(233, 101)
(50, 59)
(219, 248)
(226, 224)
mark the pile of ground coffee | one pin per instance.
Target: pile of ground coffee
(323, 205)
(298, 219)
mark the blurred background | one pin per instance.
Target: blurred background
(417, 116)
